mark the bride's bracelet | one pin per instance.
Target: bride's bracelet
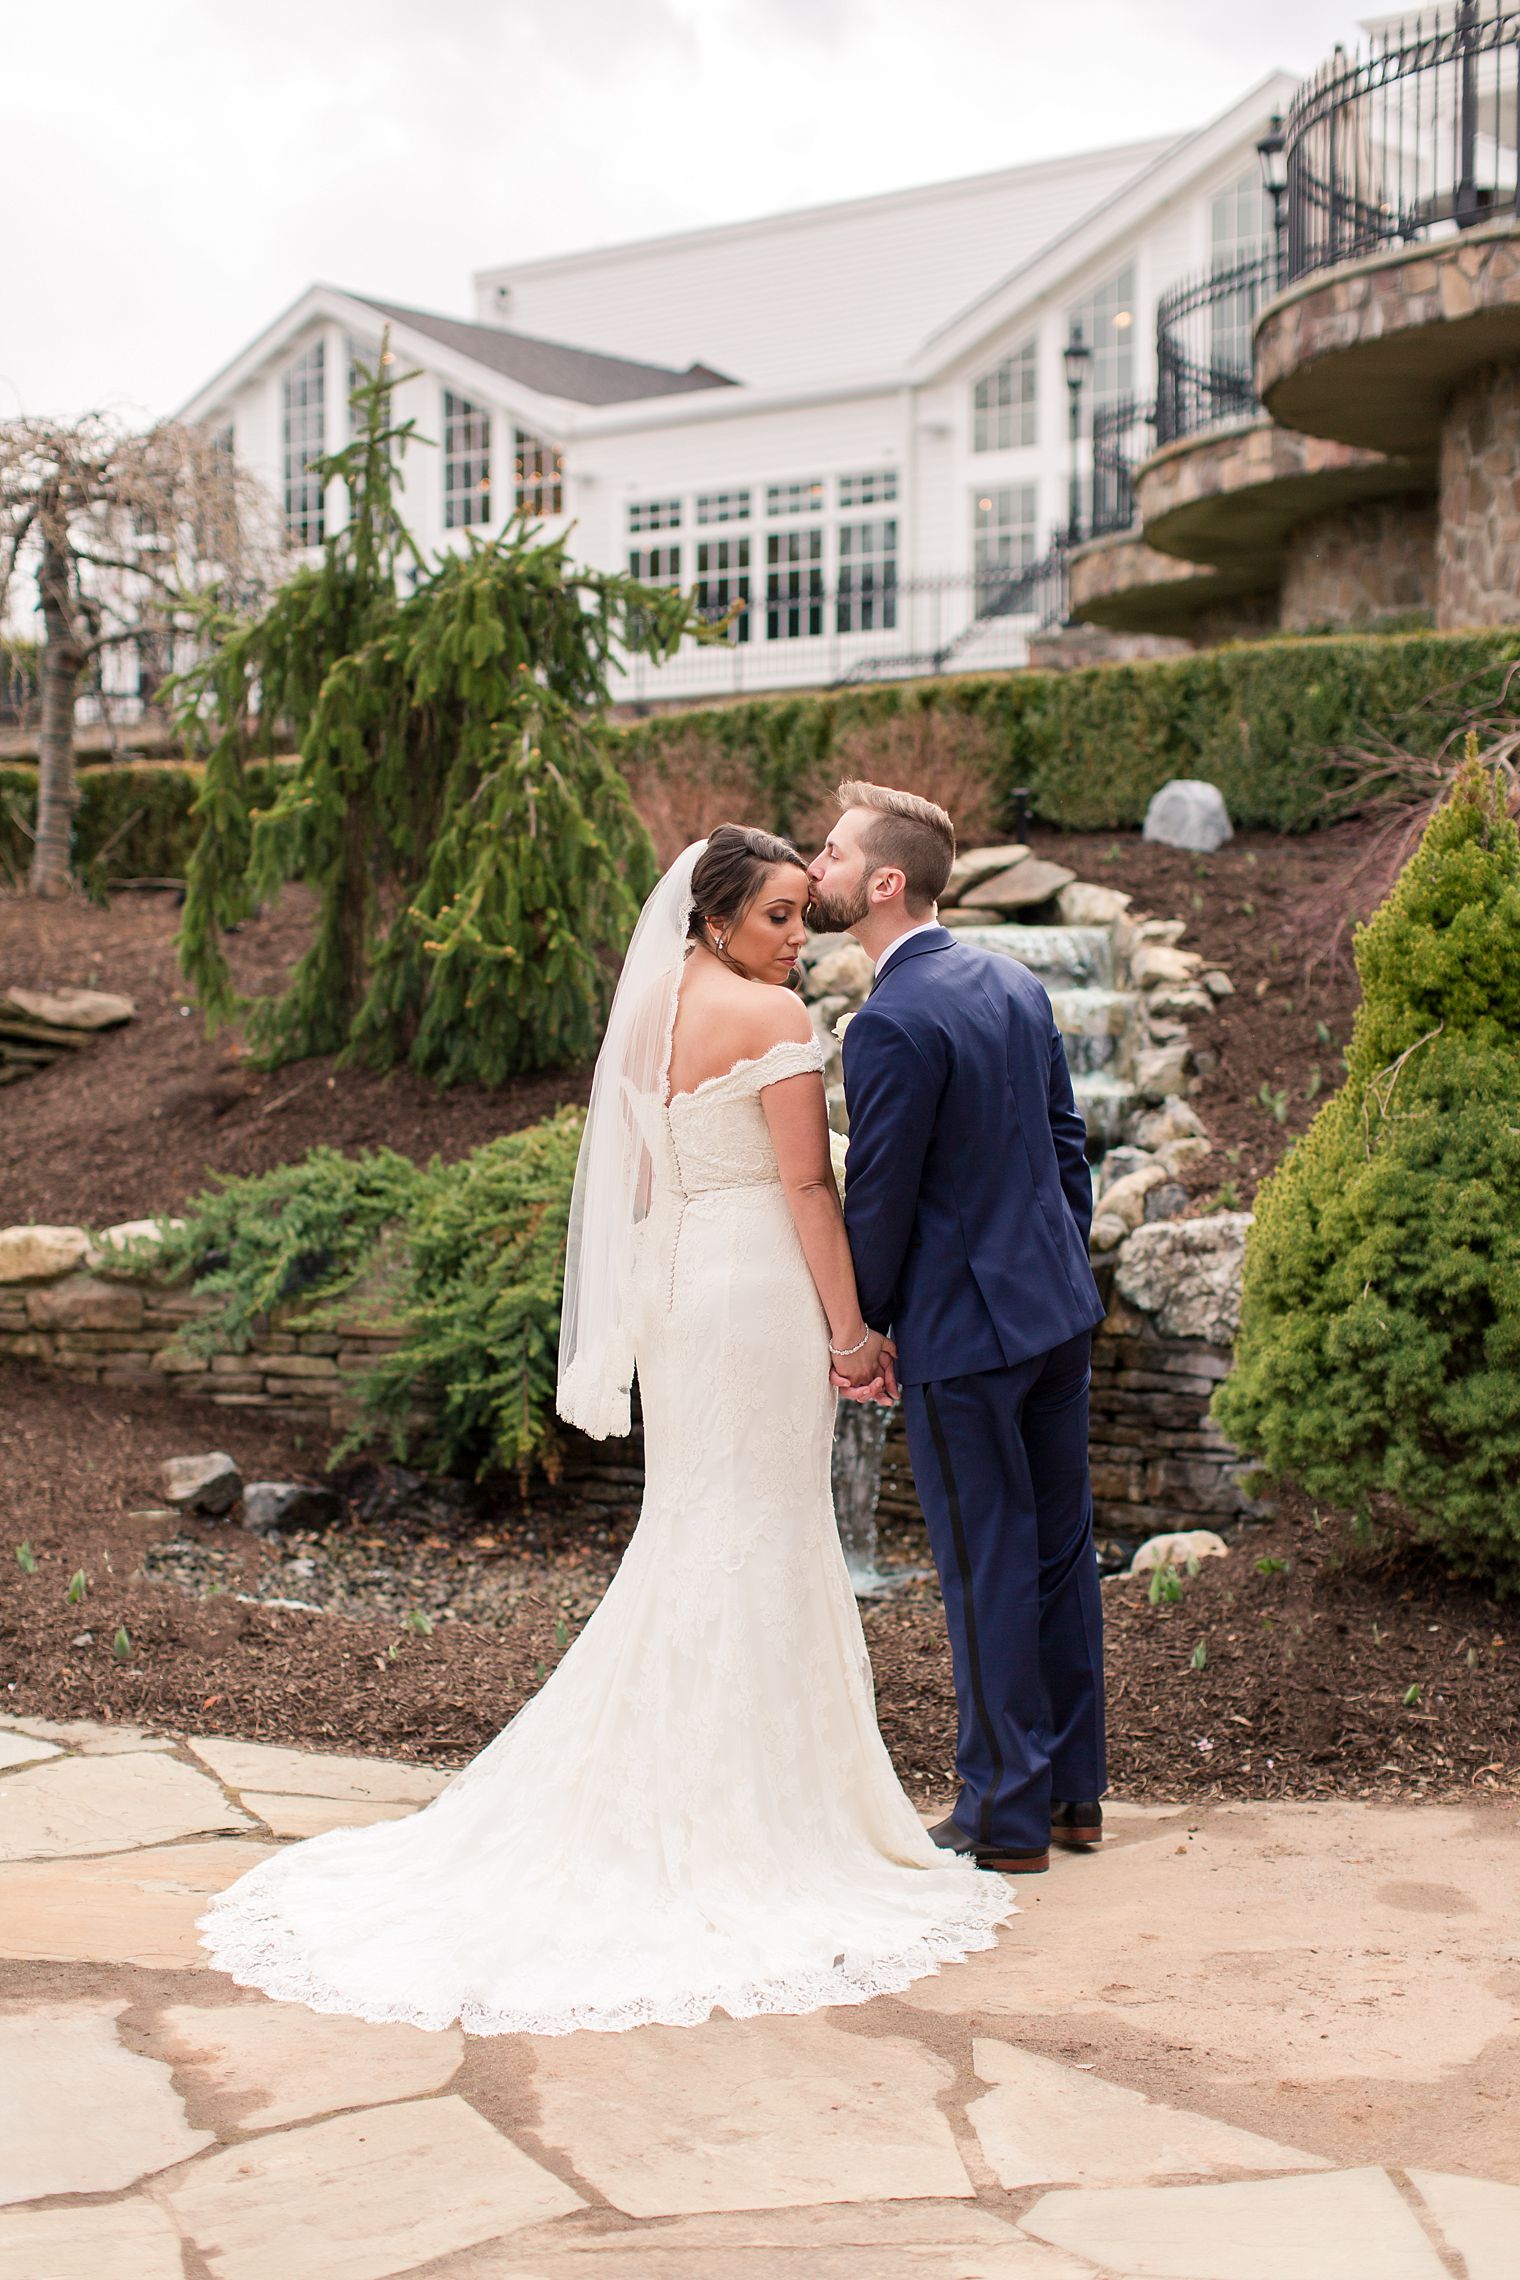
(843, 1353)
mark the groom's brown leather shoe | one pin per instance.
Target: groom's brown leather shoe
(951, 1837)
(1077, 1827)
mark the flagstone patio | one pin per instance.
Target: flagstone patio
(1243, 2043)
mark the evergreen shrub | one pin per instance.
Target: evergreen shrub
(465, 1261)
(1379, 1351)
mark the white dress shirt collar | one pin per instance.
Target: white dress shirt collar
(924, 926)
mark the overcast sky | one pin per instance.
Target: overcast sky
(174, 172)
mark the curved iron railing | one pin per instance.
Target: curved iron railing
(1414, 139)
(1121, 438)
(1203, 347)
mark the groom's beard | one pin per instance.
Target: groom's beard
(836, 914)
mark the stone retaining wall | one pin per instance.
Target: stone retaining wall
(1356, 565)
(1158, 1461)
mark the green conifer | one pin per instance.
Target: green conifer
(1380, 1336)
(476, 859)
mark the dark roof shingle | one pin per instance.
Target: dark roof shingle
(582, 375)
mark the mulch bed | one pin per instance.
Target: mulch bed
(140, 1121)
(1311, 1645)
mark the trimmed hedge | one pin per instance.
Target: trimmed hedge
(132, 822)
(1258, 719)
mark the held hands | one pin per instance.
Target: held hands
(869, 1374)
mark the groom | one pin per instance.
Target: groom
(967, 1201)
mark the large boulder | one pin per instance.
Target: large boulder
(1189, 813)
(272, 1505)
(36, 1254)
(979, 863)
(1083, 904)
(1125, 1199)
(1185, 1274)
(208, 1485)
(844, 972)
(1023, 887)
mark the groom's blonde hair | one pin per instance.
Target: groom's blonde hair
(912, 835)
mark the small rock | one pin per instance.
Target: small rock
(1176, 1550)
(1119, 1163)
(272, 1505)
(979, 863)
(1107, 1232)
(1178, 1004)
(1165, 930)
(1125, 1200)
(83, 1639)
(1024, 887)
(1217, 982)
(1173, 1120)
(1189, 813)
(846, 972)
(1161, 1071)
(1205, 1062)
(1178, 1155)
(1158, 966)
(1082, 904)
(209, 1485)
(1165, 1201)
(36, 1254)
(71, 1008)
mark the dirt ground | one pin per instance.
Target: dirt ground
(1327, 1670)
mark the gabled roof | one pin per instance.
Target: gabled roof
(579, 375)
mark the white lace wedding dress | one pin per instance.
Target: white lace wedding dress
(697, 1810)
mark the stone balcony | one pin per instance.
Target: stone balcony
(1123, 583)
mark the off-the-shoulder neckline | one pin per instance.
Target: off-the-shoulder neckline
(753, 1061)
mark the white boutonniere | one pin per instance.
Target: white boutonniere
(843, 1023)
(839, 1153)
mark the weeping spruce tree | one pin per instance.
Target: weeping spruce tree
(477, 862)
(1380, 1333)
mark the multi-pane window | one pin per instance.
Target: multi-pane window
(878, 488)
(1003, 533)
(363, 366)
(1005, 402)
(793, 584)
(303, 439)
(866, 596)
(794, 498)
(539, 474)
(654, 514)
(1107, 323)
(1240, 228)
(723, 580)
(723, 506)
(466, 462)
(655, 565)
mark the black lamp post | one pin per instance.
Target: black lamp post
(1076, 356)
(1272, 150)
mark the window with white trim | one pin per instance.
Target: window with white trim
(538, 474)
(793, 584)
(303, 434)
(1005, 403)
(878, 488)
(655, 565)
(1004, 535)
(654, 514)
(466, 462)
(363, 366)
(723, 506)
(1107, 322)
(794, 498)
(865, 598)
(1240, 229)
(723, 580)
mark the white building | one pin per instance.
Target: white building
(854, 419)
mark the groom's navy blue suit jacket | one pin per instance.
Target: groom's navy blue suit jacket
(967, 1193)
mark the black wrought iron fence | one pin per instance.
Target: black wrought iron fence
(973, 621)
(1413, 138)
(1203, 346)
(1123, 433)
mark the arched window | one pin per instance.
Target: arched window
(1005, 403)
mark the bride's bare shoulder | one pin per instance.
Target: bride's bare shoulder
(773, 1016)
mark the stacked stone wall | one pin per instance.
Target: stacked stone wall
(1360, 564)
(1478, 548)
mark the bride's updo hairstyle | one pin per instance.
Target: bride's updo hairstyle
(729, 875)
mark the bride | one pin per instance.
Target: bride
(697, 1810)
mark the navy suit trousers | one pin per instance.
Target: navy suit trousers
(1000, 1461)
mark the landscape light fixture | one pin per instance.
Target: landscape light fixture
(1272, 150)
(1076, 356)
